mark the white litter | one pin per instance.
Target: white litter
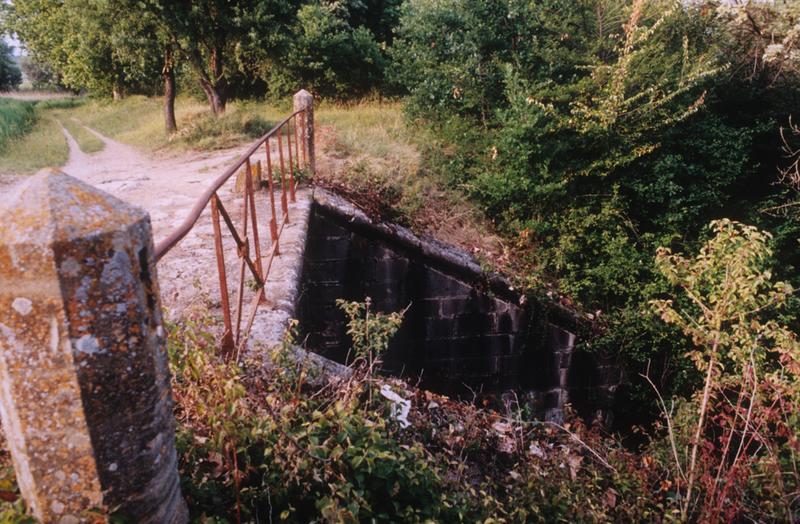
(400, 406)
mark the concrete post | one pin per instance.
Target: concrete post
(305, 100)
(84, 383)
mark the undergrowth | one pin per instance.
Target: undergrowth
(284, 444)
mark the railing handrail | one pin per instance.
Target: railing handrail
(163, 247)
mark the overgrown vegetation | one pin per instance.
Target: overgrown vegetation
(34, 140)
(285, 446)
(617, 128)
(589, 134)
(10, 73)
(16, 118)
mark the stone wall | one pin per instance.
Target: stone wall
(465, 331)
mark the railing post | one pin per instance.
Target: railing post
(85, 400)
(304, 101)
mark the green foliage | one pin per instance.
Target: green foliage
(40, 75)
(42, 146)
(286, 444)
(100, 46)
(10, 74)
(208, 132)
(87, 142)
(369, 331)
(740, 418)
(16, 118)
(328, 55)
(284, 452)
(592, 132)
(12, 508)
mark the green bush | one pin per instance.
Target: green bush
(592, 133)
(16, 118)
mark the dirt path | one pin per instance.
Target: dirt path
(167, 186)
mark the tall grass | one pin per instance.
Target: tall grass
(16, 118)
(43, 146)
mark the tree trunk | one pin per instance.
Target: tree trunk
(168, 74)
(217, 97)
(215, 85)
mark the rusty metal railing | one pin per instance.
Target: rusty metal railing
(290, 144)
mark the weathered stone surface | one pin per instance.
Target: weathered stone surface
(85, 397)
(305, 100)
(465, 330)
(450, 334)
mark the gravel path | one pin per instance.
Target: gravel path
(167, 186)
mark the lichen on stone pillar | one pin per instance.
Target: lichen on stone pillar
(304, 101)
(85, 391)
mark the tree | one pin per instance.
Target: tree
(87, 43)
(738, 420)
(327, 55)
(762, 39)
(219, 38)
(40, 75)
(10, 74)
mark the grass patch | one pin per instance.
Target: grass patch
(136, 120)
(242, 123)
(139, 121)
(44, 146)
(88, 142)
(16, 118)
(368, 152)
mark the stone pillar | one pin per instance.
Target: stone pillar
(84, 381)
(305, 100)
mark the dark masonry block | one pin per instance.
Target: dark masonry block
(480, 366)
(327, 270)
(501, 306)
(548, 369)
(324, 226)
(498, 345)
(325, 294)
(466, 347)
(482, 302)
(552, 399)
(430, 307)
(517, 316)
(382, 295)
(388, 269)
(334, 236)
(328, 250)
(473, 324)
(384, 253)
(513, 345)
(437, 350)
(503, 323)
(454, 306)
(439, 328)
(560, 339)
(437, 284)
(506, 366)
